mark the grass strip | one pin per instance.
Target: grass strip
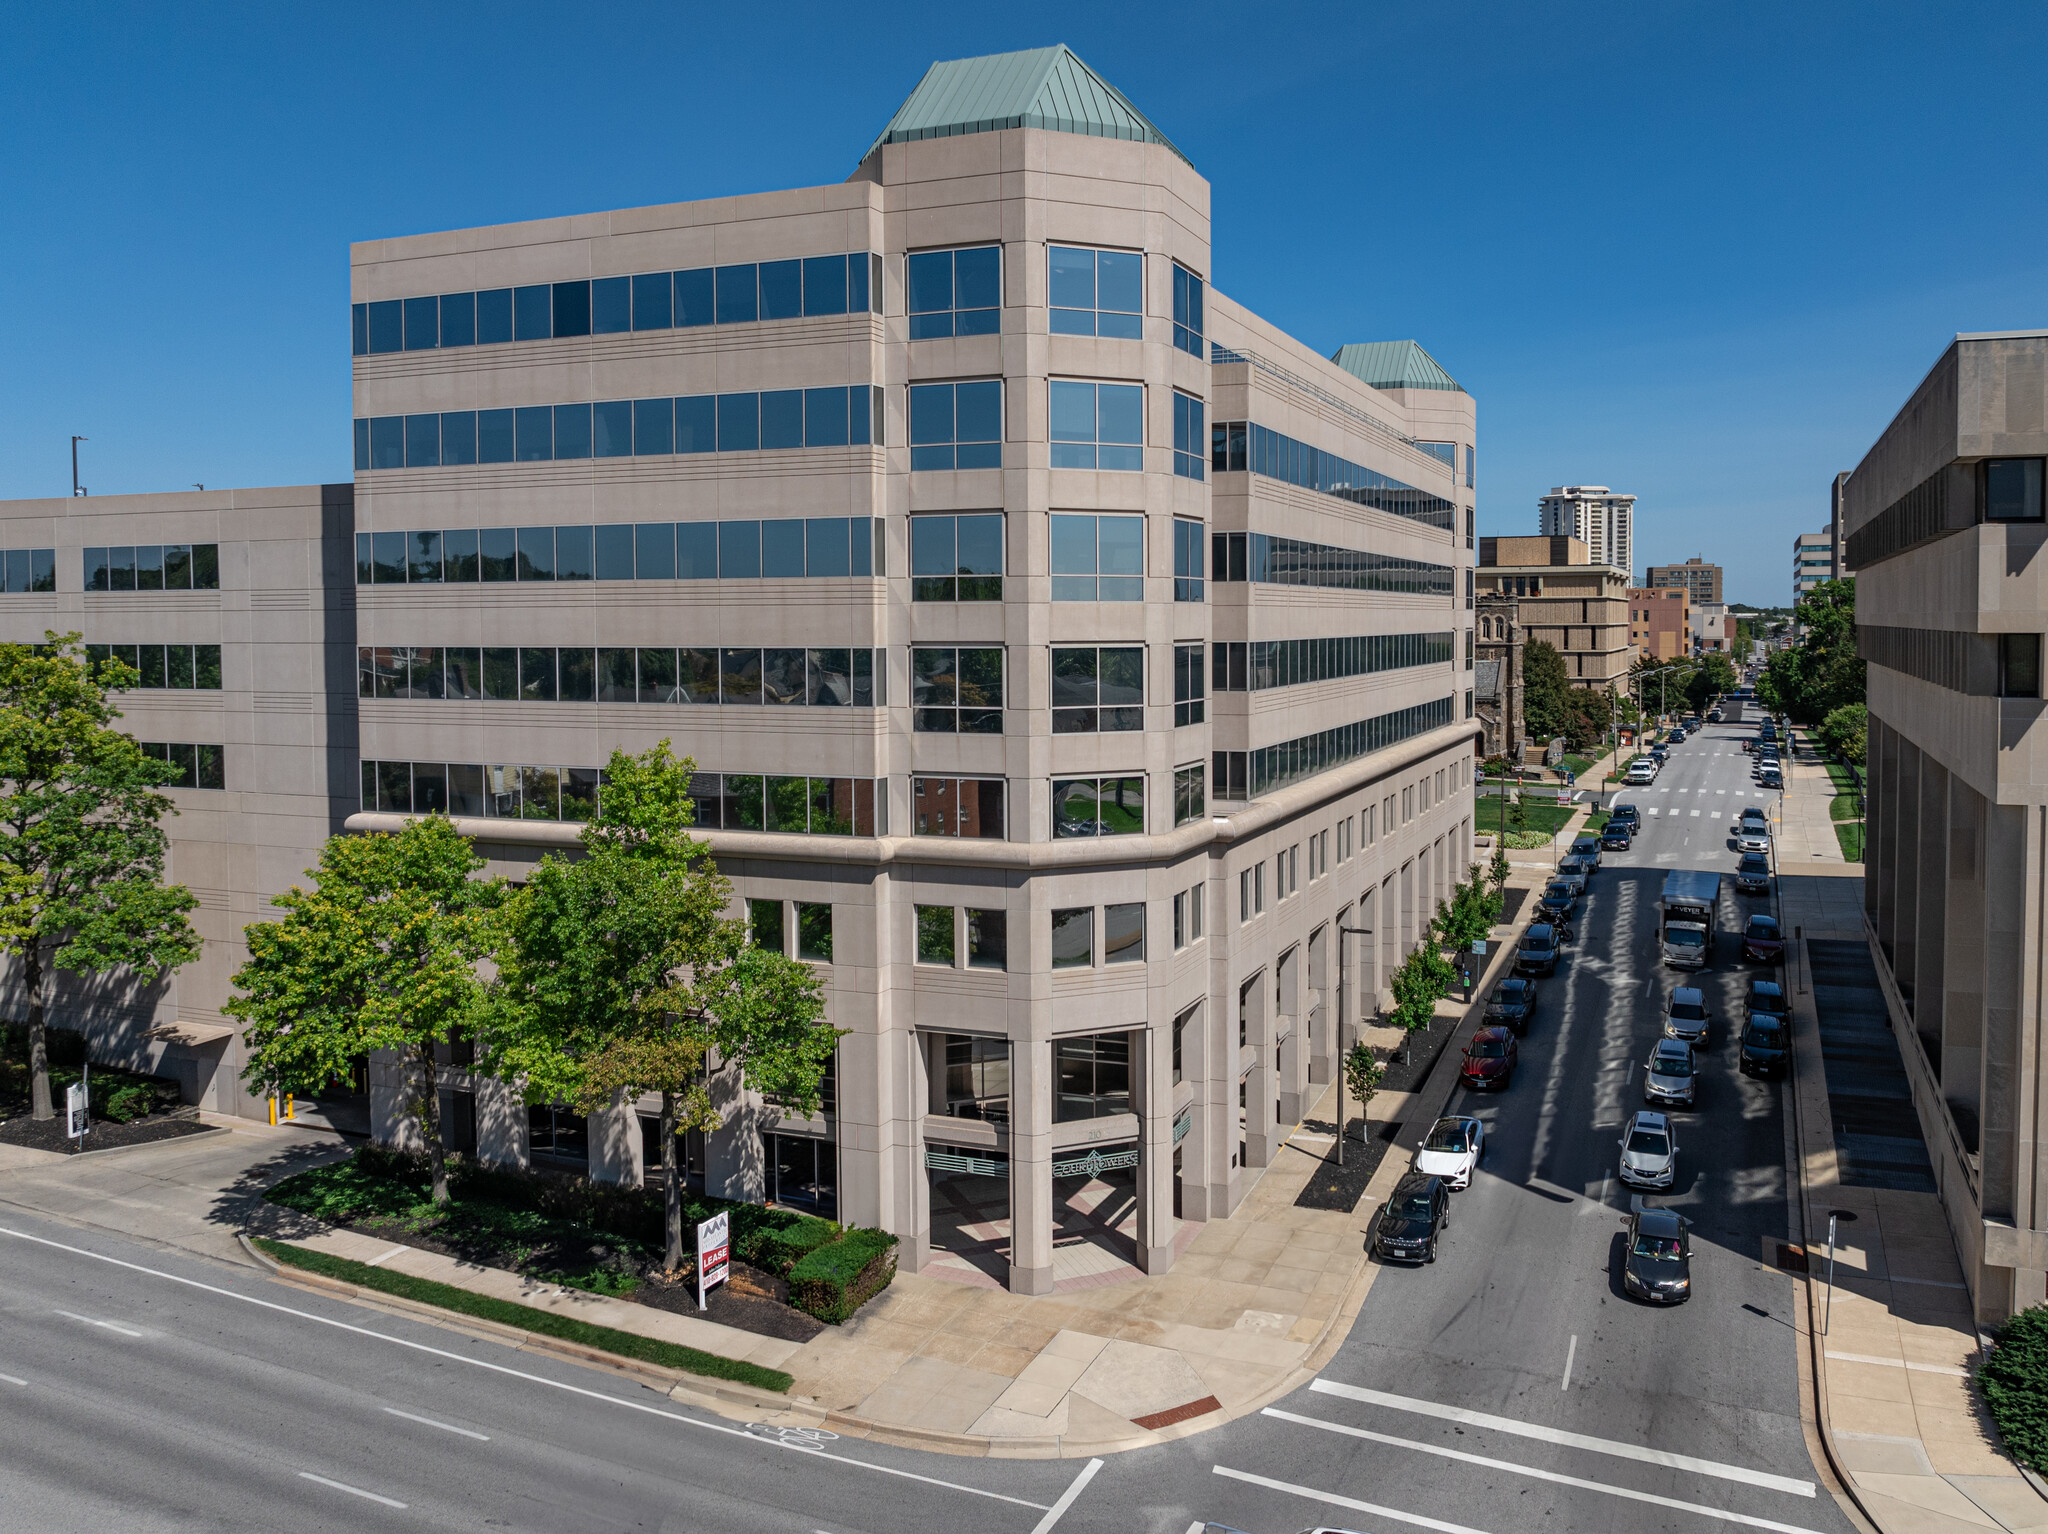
(669, 1355)
(1850, 834)
(1843, 807)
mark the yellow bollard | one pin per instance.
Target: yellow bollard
(287, 1105)
(273, 1112)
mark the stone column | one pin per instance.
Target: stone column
(1322, 996)
(1156, 1224)
(1256, 1000)
(615, 1151)
(1931, 879)
(2006, 1133)
(1906, 868)
(1883, 817)
(1031, 1089)
(1962, 1000)
(921, 1084)
(1291, 1014)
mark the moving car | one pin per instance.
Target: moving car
(1586, 848)
(1559, 900)
(1753, 874)
(1762, 941)
(1668, 1075)
(1626, 813)
(1617, 835)
(1537, 953)
(1490, 1059)
(1766, 1039)
(1513, 1004)
(1685, 1016)
(1714, 717)
(1451, 1150)
(1649, 1153)
(1412, 1219)
(1658, 1267)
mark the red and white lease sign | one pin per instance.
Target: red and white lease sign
(714, 1254)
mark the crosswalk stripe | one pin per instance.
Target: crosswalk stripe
(1333, 1500)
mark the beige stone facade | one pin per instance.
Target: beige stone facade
(1660, 621)
(1575, 606)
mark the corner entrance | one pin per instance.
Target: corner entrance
(970, 1194)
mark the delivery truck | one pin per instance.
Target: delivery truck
(1686, 917)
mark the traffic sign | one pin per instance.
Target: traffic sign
(714, 1253)
(77, 1108)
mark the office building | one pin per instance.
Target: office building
(1595, 515)
(1702, 581)
(1944, 527)
(1841, 569)
(1565, 600)
(1711, 627)
(1813, 561)
(1660, 621)
(1066, 652)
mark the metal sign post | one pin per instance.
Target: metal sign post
(714, 1254)
(1828, 1303)
(77, 1110)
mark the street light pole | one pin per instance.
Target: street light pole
(76, 488)
(1342, 948)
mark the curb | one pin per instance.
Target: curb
(143, 1145)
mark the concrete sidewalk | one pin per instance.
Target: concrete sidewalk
(1889, 1354)
(1806, 829)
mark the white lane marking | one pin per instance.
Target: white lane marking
(1899, 1363)
(1570, 1353)
(12, 1380)
(1553, 1476)
(1059, 1508)
(446, 1427)
(518, 1374)
(383, 1257)
(1620, 1450)
(1333, 1500)
(89, 1321)
(1196, 1527)
(1695, 814)
(353, 1491)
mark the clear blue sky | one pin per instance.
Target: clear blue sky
(1698, 252)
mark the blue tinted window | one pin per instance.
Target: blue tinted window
(422, 324)
(1072, 283)
(864, 412)
(614, 546)
(782, 290)
(611, 305)
(978, 279)
(696, 423)
(956, 425)
(825, 285)
(422, 441)
(611, 430)
(863, 546)
(857, 284)
(739, 421)
(694, 305)
(572, 309)
(572, 431)
(782, 548)
(825, 417)
(931, 426)
(458, 553)
(493, 316)
(1187, 311)
(536, 426)
(1119, 281)
(387, 442)
(654, 551)
(387, 326)
(494, 436)
(423, 556)
(928, 293)
(359, 329)
(458, 436)
(390, 558)
(573, 554)
(654, 306)
(738, 295)
(498, 553)
(654, 426)
(697, 551)
(533, 317)
(362, 442)
(739, 549)
(1190, 437)
(826, 547)
(458, 319)
(782, 418)
(536, 553)
(1097, 425)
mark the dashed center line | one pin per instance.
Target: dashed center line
(353, 1491)
(73, 1315)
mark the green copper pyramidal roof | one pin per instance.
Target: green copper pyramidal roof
(1038, 88)
(1393, 365)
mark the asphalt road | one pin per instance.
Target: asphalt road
(1509, 1387)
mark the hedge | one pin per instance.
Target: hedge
(2015, 1384)
(836, 1280)
(669, 1355)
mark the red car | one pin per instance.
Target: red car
(1762, 941)
(1489, 1059)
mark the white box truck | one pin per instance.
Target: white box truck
(1686, 917)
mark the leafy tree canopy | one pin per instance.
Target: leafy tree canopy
(1822, 672)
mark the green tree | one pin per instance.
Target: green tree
(621, 972)
(1424, 978)
(81, 851)
(1363, 1073)
(1546, 691)
(1842, 732)
(381, 954)
(1822, 672)
(1713, 675)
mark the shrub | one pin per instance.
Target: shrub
(2015, 1384)
(778, 1239)
(836, 1280)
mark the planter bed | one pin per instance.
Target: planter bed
(49, 1134)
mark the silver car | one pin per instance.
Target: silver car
(1649, 1153)
(1685, 1016)
(1572, 872)
(1750, 839)
(1668, 1074)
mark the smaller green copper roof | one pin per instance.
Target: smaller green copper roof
(1038, 88)
(1393, 365)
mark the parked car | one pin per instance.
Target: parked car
(1586, 848)
(1714, 717)
(1649, 1152)
(1537, 952)
(1766, 1041)
(1451, 1150)
(1753, 874)
(1668, 1075)
(1412, 1220)
(1765, 998)
(1559, 900)
(1489, 1059)
(1641, 771)
(1625, 812)
(1658, 1267)
(1573, 871)
(1686, 1017)
(1617, 836)
(1753, 818)
(1762, 941)
(1658, 753)
(1513, 1004)
(1749, 839)
(1770, 777)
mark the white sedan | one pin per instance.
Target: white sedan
(1452, 1150)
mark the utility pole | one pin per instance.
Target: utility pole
(1342, 1054)
(76, 488)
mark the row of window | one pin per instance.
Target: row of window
(959, 558)
(705, 295)
(1248, 774)
(624, 428)
(148, 567)
(199, 766)
(1237, 446)
(195, 666)
(1260, 664)
(948, 934)
(1270, 560)
(28, 570)
(1123, 942)
(828, 678)
(783, 548)
(771, 928)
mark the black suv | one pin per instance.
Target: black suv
(1513, 1004)
(1412, 1219)
(1765, 1001)
(1766, 1041)
(1537, 952)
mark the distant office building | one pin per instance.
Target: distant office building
(1702, 581)
(1600, 519)
(1836, 492)
(1813, 561)
(1570, 603)
(1660, 621)
(1710, 627)
(1943, 519)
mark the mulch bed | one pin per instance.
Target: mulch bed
(105, 1135)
